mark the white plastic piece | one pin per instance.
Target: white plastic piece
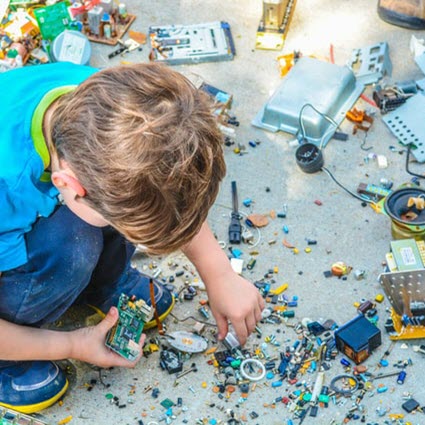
(320, 380)
(265, 313)
(237, 265)
(382, 161)
(255, 363)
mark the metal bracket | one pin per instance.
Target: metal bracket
(371, 63)
(406, 123)
(402, 288)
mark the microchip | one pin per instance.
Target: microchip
(127, 334)
(410, 405)
(135, 323)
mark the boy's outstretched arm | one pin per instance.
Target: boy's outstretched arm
(231, 297)
(85, 344)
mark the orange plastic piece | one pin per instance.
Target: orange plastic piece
(359, 118)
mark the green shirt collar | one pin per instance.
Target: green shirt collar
(37, 125)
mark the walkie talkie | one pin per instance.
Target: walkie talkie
(235, 228)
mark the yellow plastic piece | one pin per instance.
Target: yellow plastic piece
(394, 416)
(153, 348)
(279, 290)
(296, 251)
(279, 308)
(66, 420)
(356, 304)
(275, 269)
(204, 385)
(379, 298)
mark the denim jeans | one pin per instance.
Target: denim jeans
(68, 261)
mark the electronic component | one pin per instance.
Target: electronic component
(406, 254)
(372, 191)
(235, 228)
(391, 97)
(388, 99)
(52, 20)
(274, 24)
(180, 44)
(357, 338)
(187, 342)
(170, 360)
(410, 405)
(124, 337)
(11, 417)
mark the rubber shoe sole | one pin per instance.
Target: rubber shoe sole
(33, 408)
(394, 18)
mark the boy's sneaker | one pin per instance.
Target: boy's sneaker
(403, 13)
(135, 283)
(29, 387)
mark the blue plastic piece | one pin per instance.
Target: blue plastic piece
(270, 375)
(237, 253)
(383, 363)
(277, 384)
(345, 362)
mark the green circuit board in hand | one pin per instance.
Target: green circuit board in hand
(124, 337)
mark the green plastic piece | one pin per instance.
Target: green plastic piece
(324, 398)
(109, 396)
(236, 364)
(167, 403)
(307, 397)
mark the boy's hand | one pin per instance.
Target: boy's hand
(234, 299)
(89, 344)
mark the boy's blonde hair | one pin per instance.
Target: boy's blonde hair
(144, 143)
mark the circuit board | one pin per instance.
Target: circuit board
(10, 417)
(182, 44)
(124, 337)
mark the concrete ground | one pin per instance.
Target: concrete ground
(344, 229)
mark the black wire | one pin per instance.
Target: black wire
(300, 117)
(192, 318)
(337, 378)
(361, 198)
(409, 147)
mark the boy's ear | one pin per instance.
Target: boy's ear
(61, 179)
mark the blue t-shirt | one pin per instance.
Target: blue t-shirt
(25, 192)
